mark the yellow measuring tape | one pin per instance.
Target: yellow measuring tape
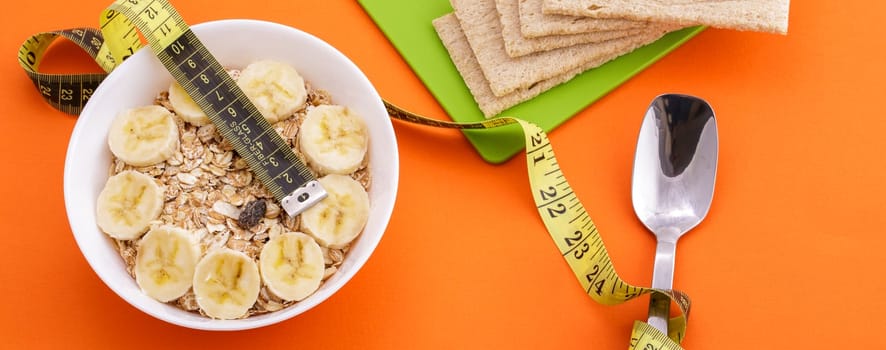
(191, 64)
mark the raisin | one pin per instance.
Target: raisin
(252, 213)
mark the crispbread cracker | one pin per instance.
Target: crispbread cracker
(517, 45)
(479, 21)
(453, 38)
(535, 23)
(756, 15)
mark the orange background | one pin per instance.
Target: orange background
(790, 256)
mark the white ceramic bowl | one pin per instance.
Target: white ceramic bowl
(235, 43)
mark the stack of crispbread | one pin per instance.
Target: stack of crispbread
(509, 51)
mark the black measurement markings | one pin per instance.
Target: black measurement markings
(132, 5)
(659, 338)
(236, 117)
(575, 203)
(636, 341)
(563, 185)
(613, 287)
(639, 343)
(539, 147)
(598, 244)
(150, 18)
(65, 92)
(92, 41)
(595, 243)
(589, 226)
(555, 200)
(546, 154)
(575, 242)
(110, 16)
(628, 291)
(582, 217)
(611, 275)
(132, 32)
(682, 301)
(162, 27)
(594, 276)
(494, 123)
(582, 214)
(31, 52)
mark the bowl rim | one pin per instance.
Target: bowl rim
(356, 262)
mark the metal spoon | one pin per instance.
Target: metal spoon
(673, 181)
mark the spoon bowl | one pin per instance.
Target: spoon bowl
(673, 181)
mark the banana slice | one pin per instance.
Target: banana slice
(185, 107)
(340, 217)
(165, 262)
(274, 87)
(143, 136)
(226, 283)
(334, 139)
(292, 265)
(127, 204)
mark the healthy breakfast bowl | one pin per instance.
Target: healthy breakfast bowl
(205, 188)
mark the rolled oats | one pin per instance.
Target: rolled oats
(188, 301)
(329, 272)
(226, 209)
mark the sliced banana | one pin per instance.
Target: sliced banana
(334, 139)
(185, 107)
(165, 262)
(143, 136)
(292, 265)
(226, 283)
(127, 204)
(276, 88)
(340, 217)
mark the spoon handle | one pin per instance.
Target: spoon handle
(662, 278)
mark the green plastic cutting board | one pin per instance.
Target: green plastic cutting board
(407, 24)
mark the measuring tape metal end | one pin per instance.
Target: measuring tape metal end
(303, 198)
